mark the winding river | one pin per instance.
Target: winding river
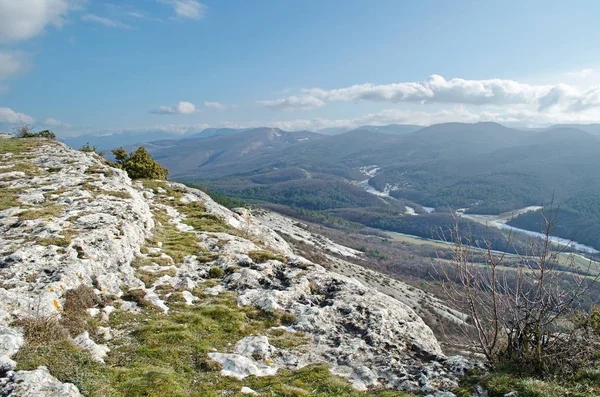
(498, 221)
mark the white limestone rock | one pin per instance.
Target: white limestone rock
(239, 366)
(37, 383)
(11, 340)
(255, 346)
(97, 351)
(189, 298)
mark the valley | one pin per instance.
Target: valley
(484, 171)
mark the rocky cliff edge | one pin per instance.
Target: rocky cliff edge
(68, 219)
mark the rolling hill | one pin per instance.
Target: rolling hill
(486, 168)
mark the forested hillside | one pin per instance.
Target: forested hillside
(483, 168)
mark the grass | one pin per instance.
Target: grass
(98, 191)
(175, 243)
(95, 169)
(149, 278)
(8, 198)
(283, 339)
(195, 212)
(156, 355)
(30, 170)
(216, 272)
(17, 146)
(141, 262)
(49, 211)
(501, 381)
(262, 256)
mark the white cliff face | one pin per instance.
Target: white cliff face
(100, 222)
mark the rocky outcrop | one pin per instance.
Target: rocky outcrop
(38, 383)
(92, 229)
(77, 221)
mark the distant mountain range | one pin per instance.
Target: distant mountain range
(486, 168)
(112, 141)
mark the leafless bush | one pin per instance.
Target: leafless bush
(22, 129)
(522, 313)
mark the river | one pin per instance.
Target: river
(498, 221)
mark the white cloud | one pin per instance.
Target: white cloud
(56, 123)
(24, 19)
(303, 102)
(215, 105)
(181, 108)
(436, 89)
(111, 23)
(12, 63)
(190, 9)
(518, 116)
(139, 15)
(9, 116)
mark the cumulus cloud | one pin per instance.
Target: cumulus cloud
(215, 105)
(181, 108)
(24, 19)
(303, 102)
(190, 9)
(51, 122)
(108, 22)
(12, 63)
(9, 116)
(518, 116)
(437, 89)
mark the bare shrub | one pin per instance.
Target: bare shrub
(77, 301)
(40, 330)
(522, 312)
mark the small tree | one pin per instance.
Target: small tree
(139, 164)
(90, 149)
(523, 312)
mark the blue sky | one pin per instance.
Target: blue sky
(181, 65)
